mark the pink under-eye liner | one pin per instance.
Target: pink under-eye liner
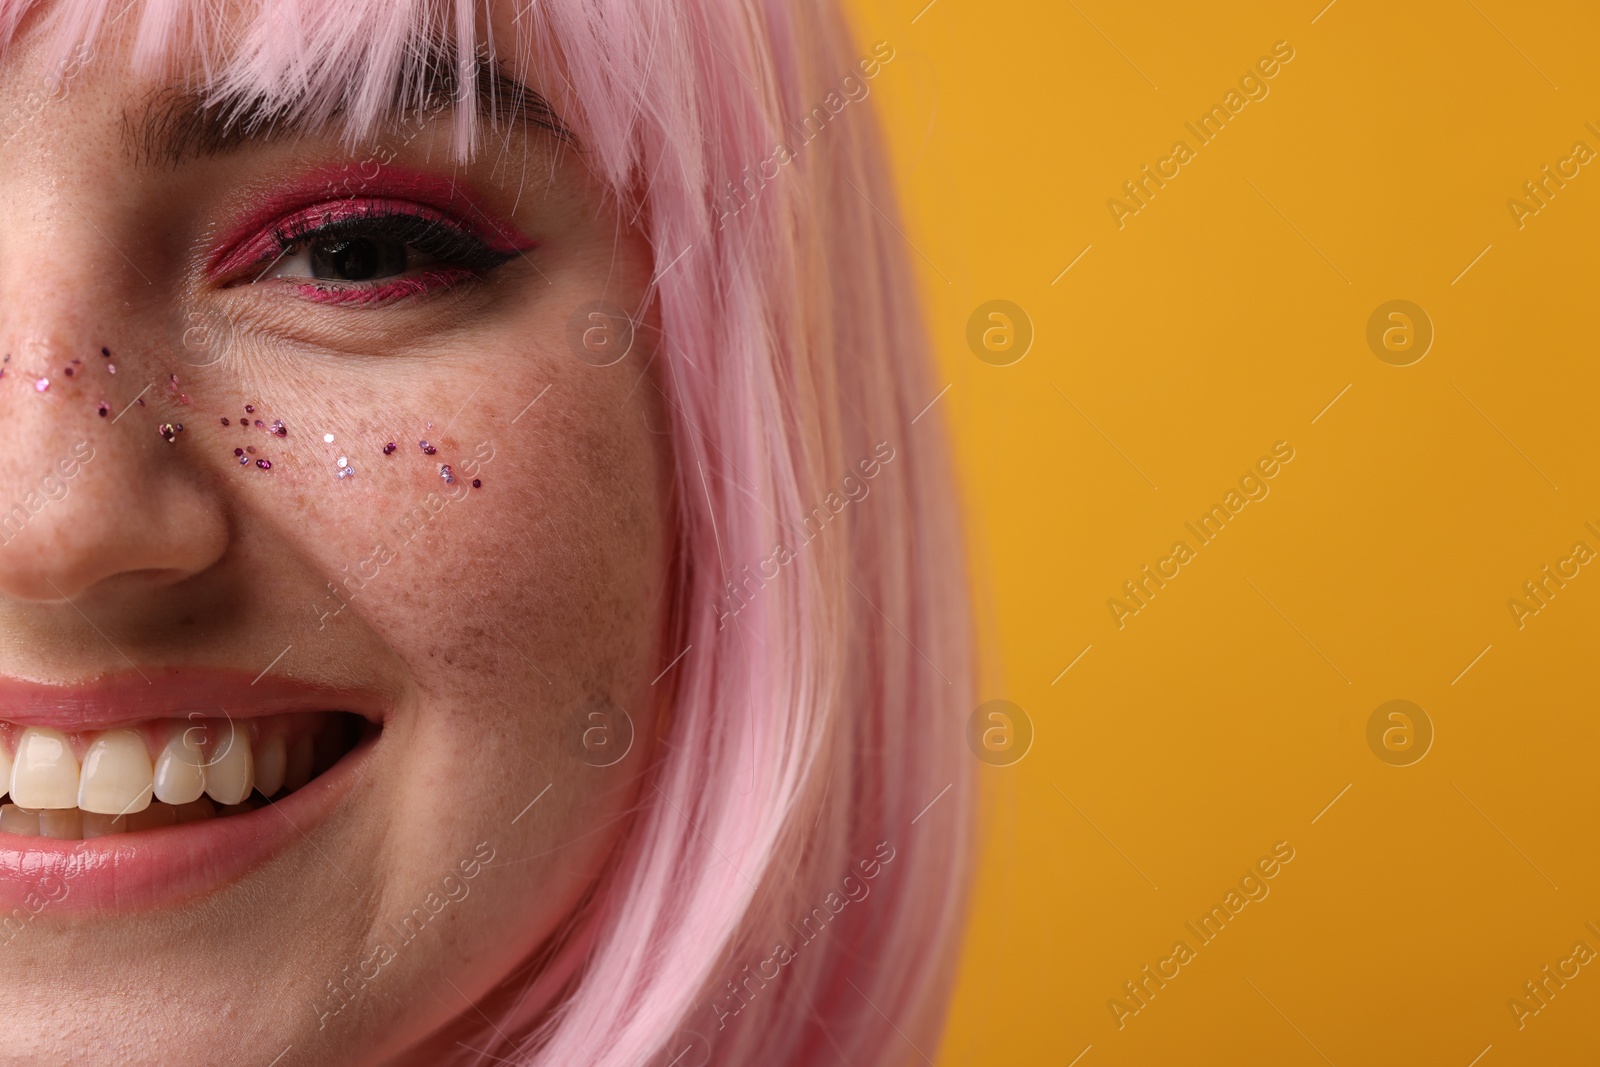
(335, 192)
(362, 294)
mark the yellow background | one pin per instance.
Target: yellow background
(1228, 714)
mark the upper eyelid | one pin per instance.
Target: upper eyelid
(245, 261)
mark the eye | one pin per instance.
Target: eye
(360, 251)
(350, 259)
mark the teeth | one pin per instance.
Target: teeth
(153, 816)
(45, 774)
(298, 771)
(180, 776)
(203, 768)
(15, 820)
(231, 774)
(97, 825)
(271, 763)
(63, 823)
(116, 775)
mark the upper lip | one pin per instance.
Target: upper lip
(125, 699)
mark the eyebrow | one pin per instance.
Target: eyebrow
(175, 125)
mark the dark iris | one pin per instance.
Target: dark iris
(358, 259)
(389, 245)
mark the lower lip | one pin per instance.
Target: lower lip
(169, 865)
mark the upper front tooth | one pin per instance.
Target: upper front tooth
(231, 774)
(116, 774)
(180, 776)
(45, 774)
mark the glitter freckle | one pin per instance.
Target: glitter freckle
(41, 385)
(250, 449)
(389, 448)
(264, 464)
(111, 368)
(170, 432)
(327, 438)
(238, 451)
(279, 429)
(260, 425)
(225, 420)
(427, 449)
(104, 409)
(106, 352)
(244, 460)
(69, 372)
(249, 409)
(447, 474)
(477, 483)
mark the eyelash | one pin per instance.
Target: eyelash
(456, 254)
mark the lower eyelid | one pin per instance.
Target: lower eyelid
(368, 293)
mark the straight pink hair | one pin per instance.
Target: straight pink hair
(818, 721)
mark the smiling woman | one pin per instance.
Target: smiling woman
(377, 677)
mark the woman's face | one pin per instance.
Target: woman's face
(456, 641)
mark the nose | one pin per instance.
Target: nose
(89, 501)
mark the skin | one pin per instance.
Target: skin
(545, 589)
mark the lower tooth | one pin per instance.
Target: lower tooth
(64, 824)
(21, 821)
(156, 815)
(97, 825)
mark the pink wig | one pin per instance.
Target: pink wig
(817, 728)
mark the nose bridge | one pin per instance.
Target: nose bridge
(89, 490)
(49, 398)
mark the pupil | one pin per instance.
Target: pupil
(358, 259)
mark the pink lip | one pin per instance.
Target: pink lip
(149, 868)
(126, 699)
(337, 186)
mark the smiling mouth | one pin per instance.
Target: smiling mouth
(162, 772)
